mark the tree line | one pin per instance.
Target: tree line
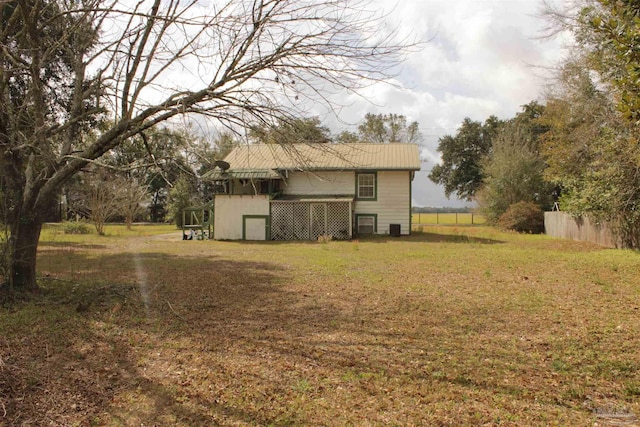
(579, 146)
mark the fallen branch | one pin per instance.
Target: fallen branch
(174, 312)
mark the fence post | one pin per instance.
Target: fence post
(456, 218)
(437, 217)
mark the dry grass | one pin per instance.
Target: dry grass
(452, 326)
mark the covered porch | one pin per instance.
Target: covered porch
(312, 217)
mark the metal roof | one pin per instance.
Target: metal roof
(324, 157)
(220, 175)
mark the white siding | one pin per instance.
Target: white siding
(320, 183)
(255, 229)
(393, 204)
(229, 210)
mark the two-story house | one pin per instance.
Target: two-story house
(310, 191)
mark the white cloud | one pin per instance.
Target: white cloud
(483, 59)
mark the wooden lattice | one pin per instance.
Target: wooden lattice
(300, 221)
(309, 221)
(338, 220)
(318, 220)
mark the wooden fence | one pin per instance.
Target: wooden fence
(563, 225)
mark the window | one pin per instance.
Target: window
(219, 187)
(366, 224)
(366, 183)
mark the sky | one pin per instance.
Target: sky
(482, 58)
(479, 58)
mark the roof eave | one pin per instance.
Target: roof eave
(362, 168)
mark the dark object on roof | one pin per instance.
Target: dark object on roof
(222, 165)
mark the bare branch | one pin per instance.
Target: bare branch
(77, 78)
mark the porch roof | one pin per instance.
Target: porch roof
(315, 198)
(220, 175)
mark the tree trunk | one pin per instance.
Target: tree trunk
(25, 234)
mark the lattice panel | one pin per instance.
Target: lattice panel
(318, 220)
(301, 221)
(338, 220)
(305, 221)
(282, 219)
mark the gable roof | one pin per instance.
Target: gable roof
(315, 157)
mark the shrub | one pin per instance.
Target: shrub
(523, 217)
(75, 227)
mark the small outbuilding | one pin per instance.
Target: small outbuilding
(313, 191)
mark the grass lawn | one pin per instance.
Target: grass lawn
(448, 327)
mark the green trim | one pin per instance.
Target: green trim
(375, 186)
(375, 221)
(197, 220)
(270, 213)
(267, 225)
(411, 174)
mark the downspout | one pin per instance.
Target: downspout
(350, 219)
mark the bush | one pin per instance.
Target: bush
(523, 217)
(75, 227)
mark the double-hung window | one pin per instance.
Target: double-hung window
(366, 224)
(366, 186)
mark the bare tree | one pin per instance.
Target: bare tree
(108, 196)
(115, 68)
(104, 199)
(131, 199)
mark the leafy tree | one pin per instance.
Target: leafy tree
(386, 128)
(346, 137)
(291, 131)
(68, 66)
(528, 125)
(182, 195)
(43, 113)
(514, 172)
(461, 170)
(156, 159)
(609, 32)
(593, 153)
(592, 146)
(203, 156)
(576, 116)
(223, 144)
